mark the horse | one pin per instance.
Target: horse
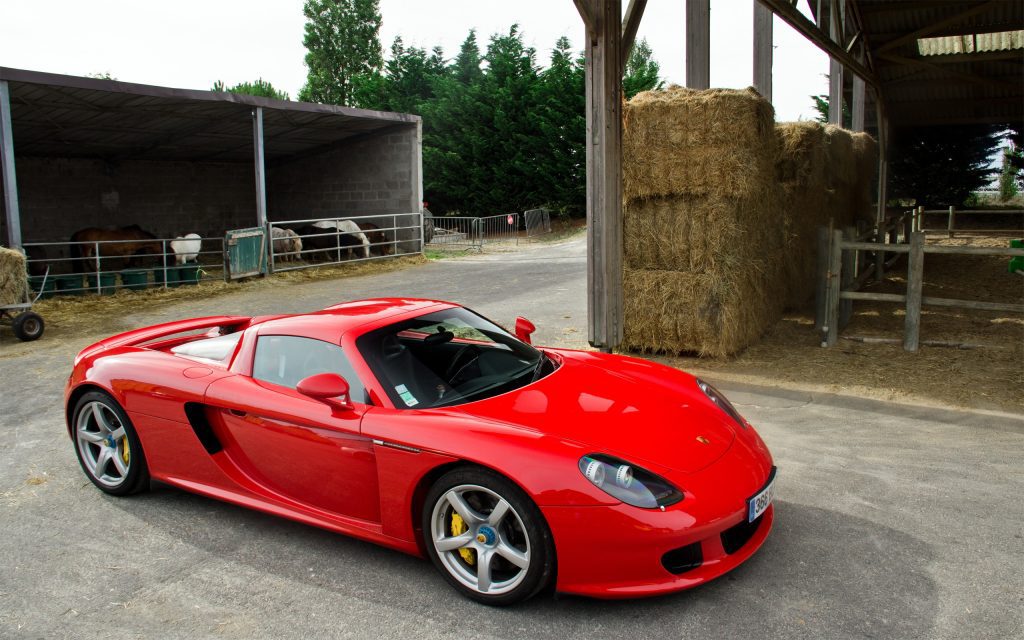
(378, 239)
(129, 243)
(287, 244)
(349, 228)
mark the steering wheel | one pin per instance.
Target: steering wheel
(467, 352)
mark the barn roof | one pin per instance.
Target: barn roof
(69, 116)
(939, 62)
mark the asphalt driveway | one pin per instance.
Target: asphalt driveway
(892, 521)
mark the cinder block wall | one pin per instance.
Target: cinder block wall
(373, 175)
(59, 196)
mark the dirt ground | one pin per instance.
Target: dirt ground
(987, 374)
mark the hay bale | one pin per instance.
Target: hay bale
(680, 141)
(13, 277)
(701, 221)
(709, 314)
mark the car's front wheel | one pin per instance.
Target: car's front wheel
(107, 447)
(486, 536)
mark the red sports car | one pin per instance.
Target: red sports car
(422, 426)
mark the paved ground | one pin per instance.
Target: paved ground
(892, 521)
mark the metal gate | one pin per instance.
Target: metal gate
(245, 253)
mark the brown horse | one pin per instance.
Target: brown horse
(128, 243)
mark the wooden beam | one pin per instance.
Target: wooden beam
(10, 180)
(588, 11)
(630, 25)
(604, 177)
(806, 28)
(837, 28)
(763, 50)
(925, 31)
(966, 77)
(698, 44)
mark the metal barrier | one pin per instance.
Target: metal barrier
(538, 222)
(103, 266)
(951, 220)
(328, 241)
(461, 232)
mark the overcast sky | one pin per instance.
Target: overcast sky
(192, 43)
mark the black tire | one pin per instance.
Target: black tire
(98, 440)
(28, 326)
(520, 533)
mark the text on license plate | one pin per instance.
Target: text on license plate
(757, 505)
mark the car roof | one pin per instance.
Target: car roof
(331, 323)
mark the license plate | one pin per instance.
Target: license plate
(761, 500)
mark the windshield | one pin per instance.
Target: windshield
(446, 358)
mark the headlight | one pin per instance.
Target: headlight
(629, 483)
(723, 404)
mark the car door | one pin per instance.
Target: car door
(292, 447)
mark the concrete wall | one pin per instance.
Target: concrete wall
(377, 174)
(59, 196)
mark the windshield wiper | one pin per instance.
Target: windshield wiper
(540, 368)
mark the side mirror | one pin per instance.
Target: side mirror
(524, 328)
(329, 388)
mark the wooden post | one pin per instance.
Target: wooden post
(821, 281)
(949, 225)
(763, 50)
(10, 180)
(835, 267)
(604, 171)
(847, 276)
(835, 78)
(857, 112)
(915, 281)
(880, 256)
(698, 44)
(883, 160)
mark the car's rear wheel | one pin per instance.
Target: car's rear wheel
(486, 536)
(107, 447)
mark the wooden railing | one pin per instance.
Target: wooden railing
(841, 281)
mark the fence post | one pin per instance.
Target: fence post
(880, 235)
(847, 276)
(915, 281)
(952, 215)
(821, 281)
(271, 258)
(835, 266)
(99, 287)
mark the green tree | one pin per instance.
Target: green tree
(641, 73)
(406, 83)
(342, 42)
(561, 167)
(941, 166)
(1009, 174)
(260, 88)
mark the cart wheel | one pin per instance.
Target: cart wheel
(28, 326)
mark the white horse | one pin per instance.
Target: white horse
(287, 244)
(349, 227)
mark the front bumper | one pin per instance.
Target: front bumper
(620, 551)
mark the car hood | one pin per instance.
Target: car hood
(646, 413)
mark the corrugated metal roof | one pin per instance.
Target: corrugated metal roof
(971, 43)
(947, 62)
(68, 116)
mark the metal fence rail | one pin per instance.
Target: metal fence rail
(951, 220)
(326, 241)
(106, 265)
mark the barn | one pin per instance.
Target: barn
(84, 152)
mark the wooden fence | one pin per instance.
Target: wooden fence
(842, 254)
(951, 220)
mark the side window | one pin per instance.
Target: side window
(285, 360)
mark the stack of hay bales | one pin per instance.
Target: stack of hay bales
(13, 277)
(702, 211)
(825, 176)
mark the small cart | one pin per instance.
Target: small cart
(26, 324)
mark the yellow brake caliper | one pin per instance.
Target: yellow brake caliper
(125, 451)
(458, 528)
